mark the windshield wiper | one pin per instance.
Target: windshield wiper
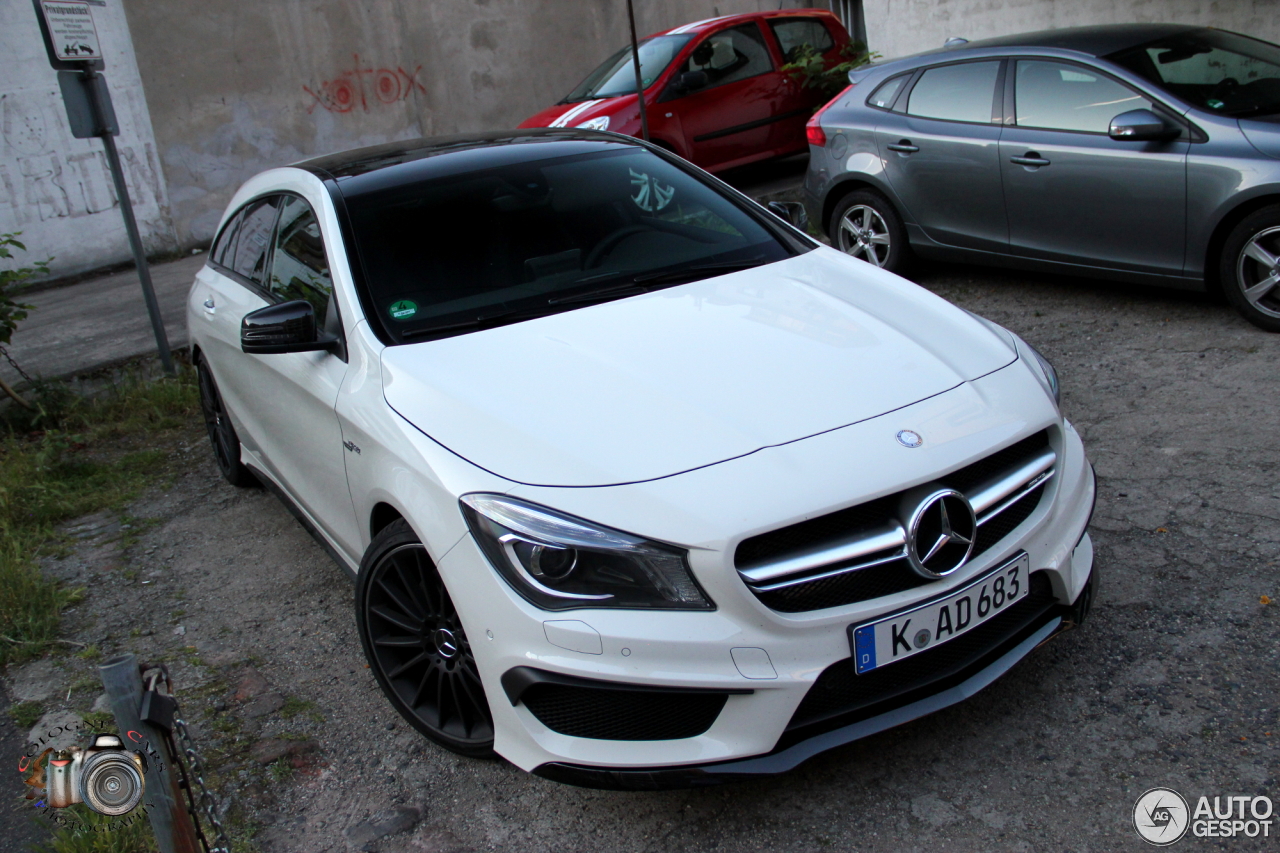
(599, 293)
(487, 322)
(692, 273)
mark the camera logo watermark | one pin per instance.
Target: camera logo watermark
(1162, 816)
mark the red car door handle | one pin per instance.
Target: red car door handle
(1031, 158)
(904, 146)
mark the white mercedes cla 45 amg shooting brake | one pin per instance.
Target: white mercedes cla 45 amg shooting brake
(640, 486)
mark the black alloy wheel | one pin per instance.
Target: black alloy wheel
(866, 226)
(222, 434)
(1249, 268)
(416, 645)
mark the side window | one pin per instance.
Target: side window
(793, 32)
(250, 258)
(887, 93)
(731, 55)
(223, 250)
(299, 269)
(1058, 96)
(961, 92)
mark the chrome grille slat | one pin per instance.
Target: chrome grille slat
(1039, 481)
(900, 554)
(994, 491)
(851, 548)
(804, 570)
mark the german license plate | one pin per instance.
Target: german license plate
(898, 637)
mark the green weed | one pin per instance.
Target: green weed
(72, 456)
(96, 833)
(26, 714)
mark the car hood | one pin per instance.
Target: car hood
(572, 115)
(1263, 134)
(654, 385)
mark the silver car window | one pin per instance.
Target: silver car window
(962, 92)
(1062, 96)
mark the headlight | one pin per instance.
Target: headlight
(1050, 375)
(597, 123)
(1047, 374)
(558, 562)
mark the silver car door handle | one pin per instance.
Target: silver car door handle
(1030, 159)
(208, 305)
(904, 147)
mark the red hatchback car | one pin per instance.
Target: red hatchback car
(714, 90)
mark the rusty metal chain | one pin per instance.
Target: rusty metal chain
(204, 805)
(15, 365)
(200, 804)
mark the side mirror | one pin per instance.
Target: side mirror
(792, 213)
(691, 80)
(286, 327)
(1141, 126)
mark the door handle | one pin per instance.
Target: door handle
(1031, 158)
(209, 306)
(904, 146)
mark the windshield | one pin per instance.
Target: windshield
(511, 242)
(617, 74)
(1218, 71)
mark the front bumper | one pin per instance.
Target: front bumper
(757, 723)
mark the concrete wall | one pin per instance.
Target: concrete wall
(56, 189)
(238, 87)
(901, 27)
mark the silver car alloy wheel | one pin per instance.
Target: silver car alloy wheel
(863, 233)
(1258, 271)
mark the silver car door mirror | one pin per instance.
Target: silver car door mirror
(1141, 126)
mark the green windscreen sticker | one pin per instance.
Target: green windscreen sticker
(403, 310)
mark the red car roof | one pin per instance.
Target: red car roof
(715, 23)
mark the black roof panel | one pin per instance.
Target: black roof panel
(451, 154)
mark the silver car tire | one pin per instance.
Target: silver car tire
(1249, 268)
(865, 225)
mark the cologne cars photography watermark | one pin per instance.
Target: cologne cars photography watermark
(74, 764)
(1162, 816)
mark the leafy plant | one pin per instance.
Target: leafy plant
(12, 312)
(810, 67)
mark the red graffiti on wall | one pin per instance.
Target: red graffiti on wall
(358, 87)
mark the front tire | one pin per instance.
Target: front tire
(222, 433)
(416, 646)
(1249, 268)
(866, 226)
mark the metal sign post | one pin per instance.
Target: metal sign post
(71, 40)
(635, 59)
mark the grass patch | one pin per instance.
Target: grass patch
(26, 714)
(71, 457)
(99, 834)
(295, 707)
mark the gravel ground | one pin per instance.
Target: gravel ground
(1173, 681)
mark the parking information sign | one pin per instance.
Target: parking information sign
(71, 30)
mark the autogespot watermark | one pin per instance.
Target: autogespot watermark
(1162, 816)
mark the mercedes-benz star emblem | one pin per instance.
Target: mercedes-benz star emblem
(940, 534)
(446, 643)
(909, 438)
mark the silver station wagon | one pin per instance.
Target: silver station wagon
(1146, 152)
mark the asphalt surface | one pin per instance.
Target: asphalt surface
(1174, 681)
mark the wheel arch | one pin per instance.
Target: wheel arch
(839, 190)
(381, 516)
(1218, 238)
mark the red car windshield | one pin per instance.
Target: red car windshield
(617, 75)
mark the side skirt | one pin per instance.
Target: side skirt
(296, 512)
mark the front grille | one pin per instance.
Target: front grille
(839, 692)
(1017, 473)
(608, 714)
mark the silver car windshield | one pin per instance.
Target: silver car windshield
(1215, 70)
(617, 75)
(512, 242)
